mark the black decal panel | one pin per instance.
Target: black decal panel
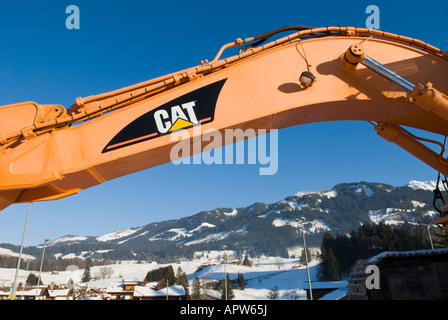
(196, 107)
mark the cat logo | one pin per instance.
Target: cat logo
(180, 117)
(194, 107)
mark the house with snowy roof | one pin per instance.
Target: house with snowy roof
(57, 294)
(169, 293)
(122, 291)
(326, 290)
(145, 291)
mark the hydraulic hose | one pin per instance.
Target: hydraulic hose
(266, 35)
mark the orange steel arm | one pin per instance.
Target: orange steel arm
(45, 156)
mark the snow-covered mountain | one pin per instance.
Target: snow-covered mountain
(423, 185)
(271, 229)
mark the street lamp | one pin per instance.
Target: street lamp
(307, 266)
(302, 219)
(41, 263)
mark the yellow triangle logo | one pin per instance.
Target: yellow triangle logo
(180, 124)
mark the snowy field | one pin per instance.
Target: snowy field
(266, 273)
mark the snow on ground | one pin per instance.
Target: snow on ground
(7, 252)
(266, 274)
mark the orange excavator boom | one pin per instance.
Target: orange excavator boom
(314, 74)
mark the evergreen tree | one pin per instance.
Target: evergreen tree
(247, 262)
(303, 256)
(86, 277)
(168, 278)
(241, 281)
(31, 280)
(328, 269)
(229, 289)
(182, 279)
(163, 275)
(333, 267)
(196, 294)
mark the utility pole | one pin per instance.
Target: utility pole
(41, 263)
(20, 254)
(24, 285)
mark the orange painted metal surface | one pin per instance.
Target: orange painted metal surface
(45, 156)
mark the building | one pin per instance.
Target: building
(4, 293)
(57, 294)
(401, 275)
(145, 291)
(90, 294)
(123, 291)
(29, 294)
(326, 290)
(168, 293)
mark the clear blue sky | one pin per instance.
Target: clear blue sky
(120, 43)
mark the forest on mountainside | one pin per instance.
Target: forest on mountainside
(340, 253)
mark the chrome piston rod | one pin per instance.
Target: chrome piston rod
(388, 74)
